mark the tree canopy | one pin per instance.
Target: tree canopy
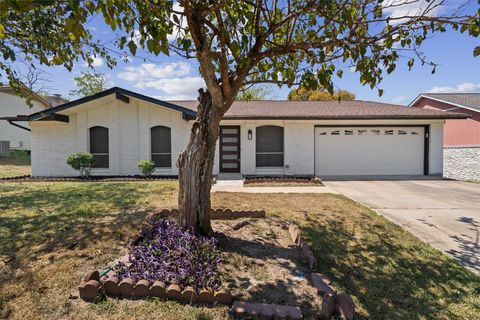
(237, 43)
(302, 94)
(88, 83)
(251, 94)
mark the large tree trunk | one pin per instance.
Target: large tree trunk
(195, 165)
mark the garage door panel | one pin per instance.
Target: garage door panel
(369, 151)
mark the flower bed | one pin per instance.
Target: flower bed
(295, 180)
(172, 255)
(163, 261)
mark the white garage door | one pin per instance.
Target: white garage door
(369, 150)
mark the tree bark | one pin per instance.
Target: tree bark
(195, 165)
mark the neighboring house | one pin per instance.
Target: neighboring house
(298, 138)
(461, 137)
(12, 104)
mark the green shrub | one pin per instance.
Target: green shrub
(146, 167)
(81, 161)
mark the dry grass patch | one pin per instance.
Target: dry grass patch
(390, 273)
(261, 264)
(16, 165)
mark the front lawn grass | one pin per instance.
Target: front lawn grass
(53, 232)
(16, 164)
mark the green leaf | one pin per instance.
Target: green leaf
(133, 47)
(476, 51)
(2, 31)
(410, 63)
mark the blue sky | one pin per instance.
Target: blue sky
(175, 78)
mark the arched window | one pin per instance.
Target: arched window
(269, 146)
(161, 146)
(99, 146)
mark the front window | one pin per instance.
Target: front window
(269, 146)
(161, 146)
(99, 146)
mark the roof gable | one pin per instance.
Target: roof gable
(120, 94)
(469, 101)
(26, 92)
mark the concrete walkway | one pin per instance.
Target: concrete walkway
(444, 213)
(237, 186)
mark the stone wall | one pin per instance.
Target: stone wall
(462, 163)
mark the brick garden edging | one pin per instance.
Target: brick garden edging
(92, 288)
(221, 214)
(333, 303)
(305, 180)
(227, 214)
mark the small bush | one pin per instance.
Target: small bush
(19, 154)
(171, 254)
(81, 161)
(146, 167)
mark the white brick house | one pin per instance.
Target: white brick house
(296, 138)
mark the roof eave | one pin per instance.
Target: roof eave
(372, 117)
(426, 96)
(186, 113)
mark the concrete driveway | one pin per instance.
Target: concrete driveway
(444, 213)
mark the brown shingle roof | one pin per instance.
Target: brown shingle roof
(356, 109)
(469, 100)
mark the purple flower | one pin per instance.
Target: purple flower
(171, 254)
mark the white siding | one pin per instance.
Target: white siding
(12, 105)
(436, 149)
(129, 138)
(299, 157)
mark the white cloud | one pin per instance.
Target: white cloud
(399, 100)
(175, 88)
(150, 71)
(109, 82)
(173, 79)
(183, 23)
(401, 8)
(460, 88)
(96, 62)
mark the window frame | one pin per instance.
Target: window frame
(160, 153)
(95, 154)
(270, 152)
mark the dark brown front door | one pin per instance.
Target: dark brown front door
(229, 149)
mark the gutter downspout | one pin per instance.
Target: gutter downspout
(18, 126)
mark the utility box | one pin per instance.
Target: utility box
(4, 148)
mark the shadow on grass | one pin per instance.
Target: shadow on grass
(281, 290)
(42, 219)
(392, 274)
